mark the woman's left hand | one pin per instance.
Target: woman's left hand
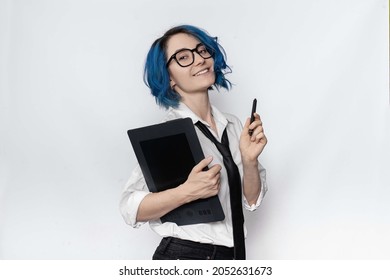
(251, 146)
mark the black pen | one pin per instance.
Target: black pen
(252, 114)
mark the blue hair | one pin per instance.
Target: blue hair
(156, 75)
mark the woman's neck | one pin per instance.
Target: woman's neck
(201, 106)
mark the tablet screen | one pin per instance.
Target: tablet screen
(169, 159)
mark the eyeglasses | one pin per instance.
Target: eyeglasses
(186, 57)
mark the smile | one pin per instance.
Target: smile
(204, 71)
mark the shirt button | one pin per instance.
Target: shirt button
(208, 257)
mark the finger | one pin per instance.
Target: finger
(255, 124)
(264, 140)
(257, 127)
(246, 131)
(247, 123)
(218, 184)
(249, 128)
(212, 182)
(215, 170)
(218, 176)
(257, 116)
(256, 131)
(202, 164)
(261, 137)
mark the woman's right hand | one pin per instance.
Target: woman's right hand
(200, 183)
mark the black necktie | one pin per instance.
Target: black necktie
(234, 180)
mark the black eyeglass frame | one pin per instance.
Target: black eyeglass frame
(173, 57)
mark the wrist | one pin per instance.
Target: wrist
(182, 194)
(249, 162)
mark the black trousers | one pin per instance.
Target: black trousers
(172, 248)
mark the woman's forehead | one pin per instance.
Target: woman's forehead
(181, 41)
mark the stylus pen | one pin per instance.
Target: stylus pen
(252, 114)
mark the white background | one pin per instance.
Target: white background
(71, 85)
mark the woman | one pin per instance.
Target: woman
(181, 67)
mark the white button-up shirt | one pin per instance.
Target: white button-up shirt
(218, 233)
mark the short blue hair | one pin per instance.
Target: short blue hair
(156, 75)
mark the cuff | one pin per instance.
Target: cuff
(264, 189)
(129, 207)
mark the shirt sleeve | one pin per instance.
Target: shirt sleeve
(264, 189)
(133, 193)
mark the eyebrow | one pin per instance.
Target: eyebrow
(179, 50)
(182, 49)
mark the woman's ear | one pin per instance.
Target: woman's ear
(172, 84)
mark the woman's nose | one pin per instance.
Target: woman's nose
(198, 58)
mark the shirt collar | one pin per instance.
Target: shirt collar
(182, 111)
